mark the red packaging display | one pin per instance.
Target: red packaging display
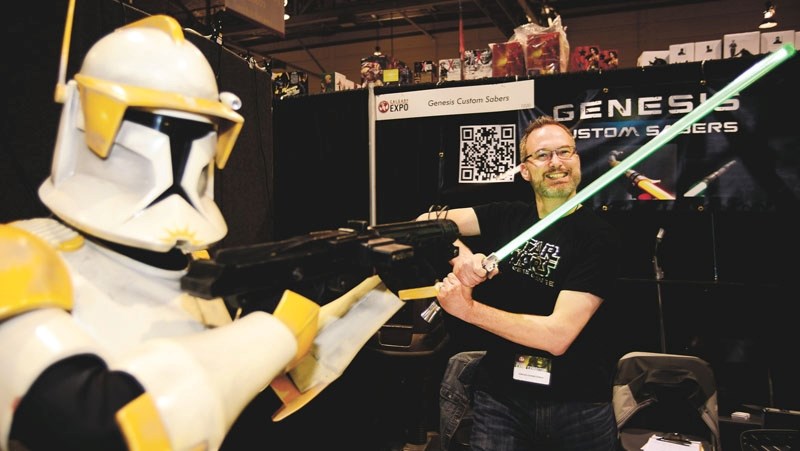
(508, 59)
(543, 53)
(546, 49)
(593, 58)
(585, 57)
(609, 59)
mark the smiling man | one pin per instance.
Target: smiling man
(543, 315)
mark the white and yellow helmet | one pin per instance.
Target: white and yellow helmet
(142, 125)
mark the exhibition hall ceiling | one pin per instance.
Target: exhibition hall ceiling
(323, 23)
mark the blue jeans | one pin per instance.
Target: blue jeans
(504, 424)
(455, 395)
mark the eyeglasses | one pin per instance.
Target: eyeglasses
(542, 156)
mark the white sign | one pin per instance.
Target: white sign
(515, 95)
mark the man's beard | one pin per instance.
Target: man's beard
(556, 192)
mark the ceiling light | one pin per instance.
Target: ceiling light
(769, 16)
(286, 15)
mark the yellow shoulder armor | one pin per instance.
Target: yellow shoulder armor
(32, 274)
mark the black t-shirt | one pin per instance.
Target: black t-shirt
(577, 252)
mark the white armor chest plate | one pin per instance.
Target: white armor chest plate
(121, 302)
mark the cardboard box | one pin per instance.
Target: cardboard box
(327, 84)
(775, 40)
(450, 69)
(280, 82)
(708, 50)
(681, 53)
(426, 72)
(289, 84)
(653, 58)
(404, 75)
(334, 81)
(609, 59)
(735, 45)
(477, 64)
(299, 79)
(584, 57)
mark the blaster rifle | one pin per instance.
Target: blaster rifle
(404, 254)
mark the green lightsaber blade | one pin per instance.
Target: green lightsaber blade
(744, 80)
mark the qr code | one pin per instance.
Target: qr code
(487, 153)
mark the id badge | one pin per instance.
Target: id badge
(534, 369)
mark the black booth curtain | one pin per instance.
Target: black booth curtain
(321, 162)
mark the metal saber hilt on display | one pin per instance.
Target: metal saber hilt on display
(639, 180)
(741, 82)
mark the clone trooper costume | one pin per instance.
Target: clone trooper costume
(99, 348)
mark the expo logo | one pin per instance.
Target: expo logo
(386, 107)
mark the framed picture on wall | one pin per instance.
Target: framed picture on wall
(775, 40)
(741, 44)
(708, 50)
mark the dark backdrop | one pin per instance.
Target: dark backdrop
(727, 293)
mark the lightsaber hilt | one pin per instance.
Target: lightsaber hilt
(430, 313)
(700, 187)
(648, 185)
(641, 181)
(489, 264)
